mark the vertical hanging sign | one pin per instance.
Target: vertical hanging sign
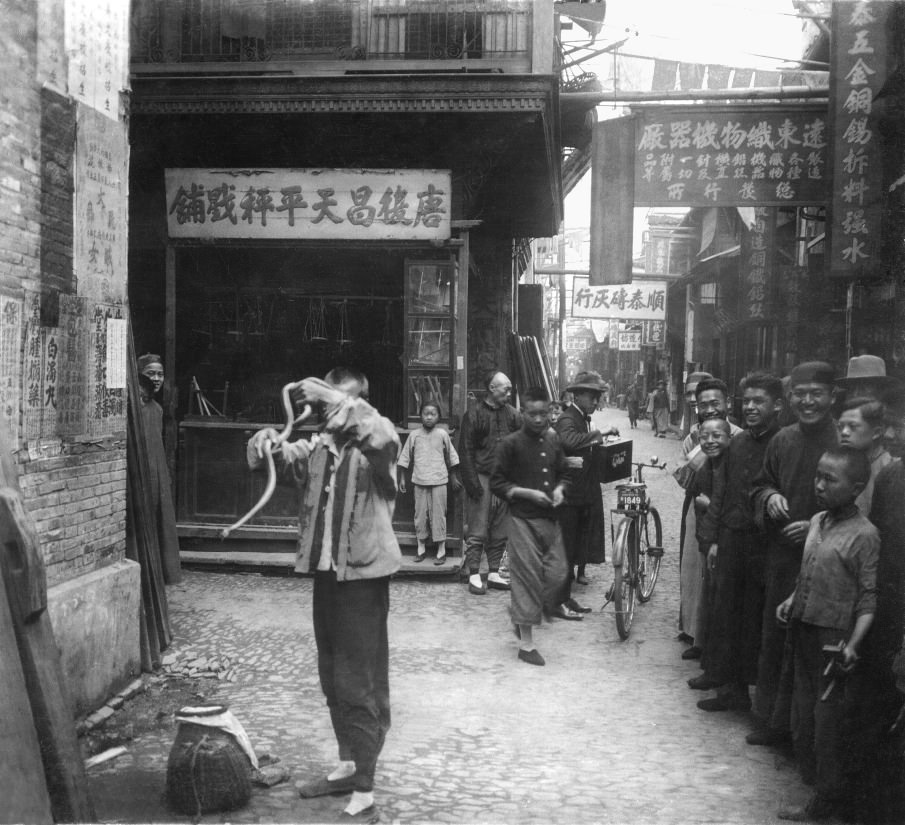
(756, 267)
(858, 70)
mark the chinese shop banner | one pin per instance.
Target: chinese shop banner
(756, 266)
(731, 155)
(309, 204)
(859, 67)
(639, 301)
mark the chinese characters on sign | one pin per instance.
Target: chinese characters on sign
(97, 36)
(33, 365)
(726, 156)
(116, 353)
(638, 301)
(71, 384)
(654, 334)
(629, 341)
(305, 204)
(101, 244)
(10, 364)
(859, 71)
(107, 407)
(756, 265)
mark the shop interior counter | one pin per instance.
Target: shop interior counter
(216, 488)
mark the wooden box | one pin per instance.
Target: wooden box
(612, 461)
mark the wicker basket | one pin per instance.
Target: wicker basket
(207, 771)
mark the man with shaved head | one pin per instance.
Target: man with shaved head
(483, 428)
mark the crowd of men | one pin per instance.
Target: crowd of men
(792, 571)
(792, 574)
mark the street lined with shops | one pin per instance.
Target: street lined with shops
(608, 731)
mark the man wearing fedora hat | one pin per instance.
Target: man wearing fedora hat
(581, 514)
(866, 378)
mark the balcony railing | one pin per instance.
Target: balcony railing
(223, 33)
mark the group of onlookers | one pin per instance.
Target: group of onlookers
(793, 573)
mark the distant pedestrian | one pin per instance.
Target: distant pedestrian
(530, 474)
(659, 407)
(632, 404)
(555, 411)
(434, 462)
(784, 502)
(830, 608)
(491, 420)
(347, 483)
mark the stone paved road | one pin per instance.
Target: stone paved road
(607, 732)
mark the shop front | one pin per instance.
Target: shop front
(273, 275)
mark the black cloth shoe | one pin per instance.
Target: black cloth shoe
(702, 682)
(476, 591)
(576, 607)
(531, 657)
(768, 736)
(816, 809)
(421, 557)
(563, 611)
(692, 653)
(727, 701)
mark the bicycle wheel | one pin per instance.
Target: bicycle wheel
(650, 552)
(623, 577)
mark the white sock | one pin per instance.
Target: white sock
(475, 579)
(341, 771)
(441, 549)
(421, 548)
(359, 801)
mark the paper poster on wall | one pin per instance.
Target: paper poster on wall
(106, 406)
(101, 208)
(116, 353)
(72, 387)
(11, 309)
(51, 66)
(97, 37)
(33, 368)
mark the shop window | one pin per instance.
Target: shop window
(429, 332)
(708, 293)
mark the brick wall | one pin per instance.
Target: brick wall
(77, 497)
(78, 503)
(20, 118)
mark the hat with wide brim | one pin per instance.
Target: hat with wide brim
(867, 368)
(589, 381)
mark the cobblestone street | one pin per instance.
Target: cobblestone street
(607, 732)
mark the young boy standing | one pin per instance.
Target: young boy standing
(433, 459)
(833, 604)
(530, 474)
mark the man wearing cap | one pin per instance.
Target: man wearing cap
(483, 428)
(581, 514)
(784, 501)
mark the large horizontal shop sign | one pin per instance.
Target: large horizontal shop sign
(727, 156)
(309, 204)
(639, 301)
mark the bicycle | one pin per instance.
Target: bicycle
(637, 541)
